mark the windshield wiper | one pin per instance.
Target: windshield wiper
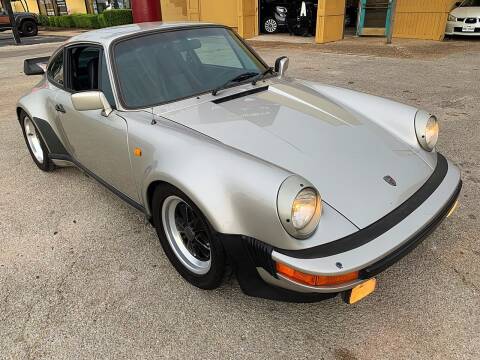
(243, 76)
(262, 75)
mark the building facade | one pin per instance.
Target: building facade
(65, 7)
(416, 19)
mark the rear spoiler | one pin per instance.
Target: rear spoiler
(35, 66)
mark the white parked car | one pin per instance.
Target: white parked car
(465, 19)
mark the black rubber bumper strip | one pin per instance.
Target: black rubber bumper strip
(410, 245)
(379, 227)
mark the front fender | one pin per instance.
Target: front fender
(235, 191)
(396, 118)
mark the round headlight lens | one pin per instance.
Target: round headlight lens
(304, 207)
(299, 207)
(431, 132)
(427, 129)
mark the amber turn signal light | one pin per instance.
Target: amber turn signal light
(314, 280)
(137, 152)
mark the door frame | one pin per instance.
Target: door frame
(363, 31)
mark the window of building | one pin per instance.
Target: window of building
(99, 6)
(52, 7)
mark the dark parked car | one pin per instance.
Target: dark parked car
(273, 15)
(27, 23)
(302, 17)
(351, 15)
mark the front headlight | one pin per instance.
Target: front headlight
(299, 207)
(451, 17)
(427, 130)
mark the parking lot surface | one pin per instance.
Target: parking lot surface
(83, 276)
(6, 39)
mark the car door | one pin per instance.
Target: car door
(97, 143)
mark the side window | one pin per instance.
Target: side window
(55, 69)
(105, 84)
(83, 68)
(215, 50)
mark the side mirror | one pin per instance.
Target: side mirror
(458, 3)
(91, 100)
(281, 65)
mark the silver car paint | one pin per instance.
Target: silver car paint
(332, 146)
(228, 185)
(375, 250)
(231, 158)
(99, 143)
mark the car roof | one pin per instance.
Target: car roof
(106, 35)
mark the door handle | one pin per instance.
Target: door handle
(60, 108)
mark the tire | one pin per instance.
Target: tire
(270, 25)
(189, 257)
(35, 144)
(28, 28)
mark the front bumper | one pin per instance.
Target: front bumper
(369, 251)
(456, 28)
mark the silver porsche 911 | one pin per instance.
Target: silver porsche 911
(306, 190)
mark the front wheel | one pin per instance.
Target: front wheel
(270, 25)
(187, 238)
(29, 28)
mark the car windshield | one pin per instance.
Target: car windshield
(166, 66)
(468, 3)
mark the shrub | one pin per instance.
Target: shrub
(116, 17)
(86, 21)
(89, 21)
(66, 21)
(101, 21)
(43, 20)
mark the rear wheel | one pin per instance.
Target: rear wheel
(187, 238)
(29, 28)
(35, 144)
(270, 25)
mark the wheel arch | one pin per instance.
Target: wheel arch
(22, 19)
(18, 111)
(227, 195)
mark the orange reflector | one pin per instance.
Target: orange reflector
(137, 152)
(360, 291)
(452, 210)
(314, 280)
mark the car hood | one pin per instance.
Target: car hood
(467, 11)
(344, 154)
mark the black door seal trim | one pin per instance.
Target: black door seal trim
(120, 194)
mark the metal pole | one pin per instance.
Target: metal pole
(8, 7)
(393, 4)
